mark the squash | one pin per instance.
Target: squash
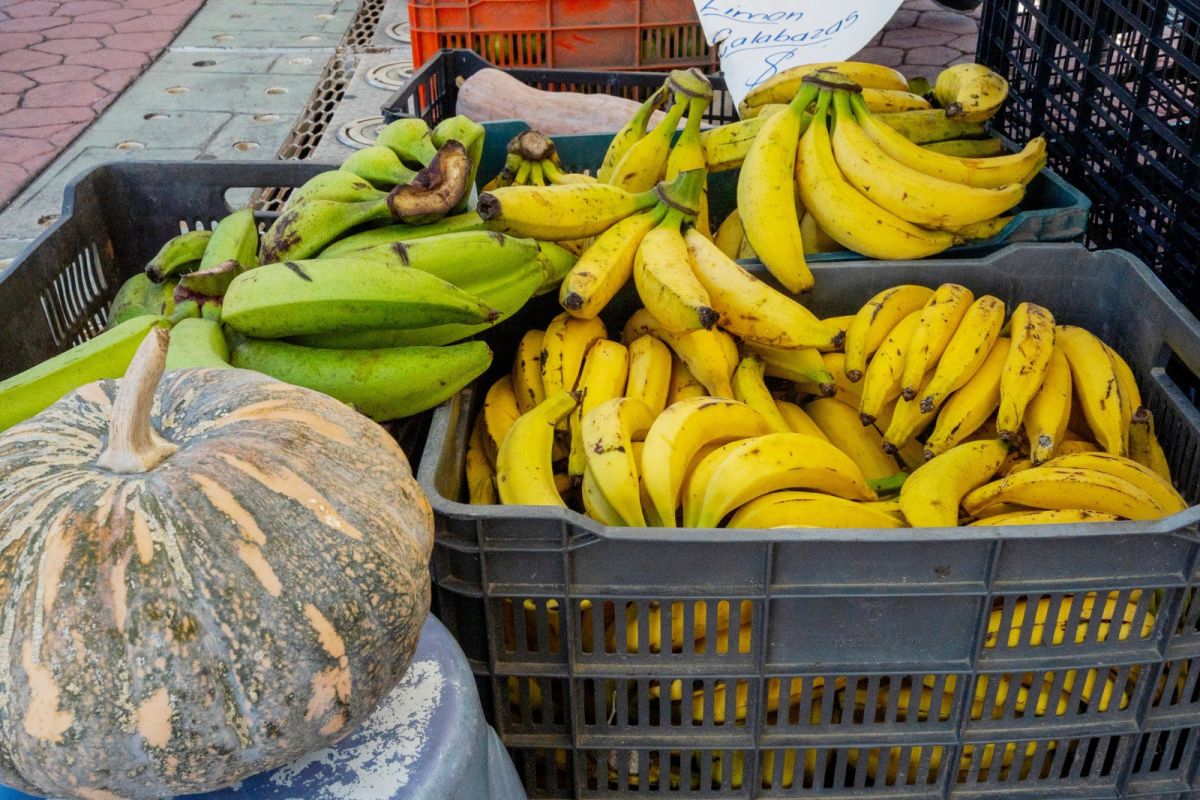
(199, 580)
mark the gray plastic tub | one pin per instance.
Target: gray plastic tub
(881, 638)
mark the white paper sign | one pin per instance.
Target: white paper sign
(759, 38)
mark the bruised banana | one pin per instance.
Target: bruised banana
(181, 253)
(609, 431)
(793, 508)
(527, 371)
(933, 492)
(524, 467)
(1145, 478)
(306, 228)
(383, 384)
(603, 377)
(197, 343)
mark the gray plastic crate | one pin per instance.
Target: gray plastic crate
(881, 638)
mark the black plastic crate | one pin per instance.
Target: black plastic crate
(1115, 85)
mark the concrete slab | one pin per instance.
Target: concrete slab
(362, 99)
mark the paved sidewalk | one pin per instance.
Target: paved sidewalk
(62, 63)
(922, 38)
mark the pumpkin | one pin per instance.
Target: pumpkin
(200, 579)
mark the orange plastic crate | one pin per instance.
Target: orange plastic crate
(566, 34)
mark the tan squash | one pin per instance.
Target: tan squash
(198, 583)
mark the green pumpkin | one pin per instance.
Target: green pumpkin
(200, 580)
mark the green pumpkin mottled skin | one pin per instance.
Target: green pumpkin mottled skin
(247, 601)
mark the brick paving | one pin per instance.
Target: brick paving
(922, 38)
(62, 63)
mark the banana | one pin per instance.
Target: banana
(307, 297)
(683, 384)
(139, 296)
(383, 384)
(646, 159)
(1143, 444)
(524, 470)
(965, 352)
(595, 504)
(910, 453)
(982, 230)
(1066, 488)
(850, 218)
(197, 343)
(705, 353)
(939, 320)
(770, 462)
(378, 166)
(677, 435)
(390, 234)
(840, 424)
(649, 373)
(554, 174)
(527, 371)
(730, 234)
(500, 411)
(411, 139)
(687, 155)
(1032, 331)
(970, 405)
(766, 197)
(970, 92)
(892, 101)
(481, 485)
(666, 283)
(632, 132)
(1049, 410)
(815, 239)
(806, 367)
(835, 363)
(469, 134)
(931, 496)
(783, 86)
(1131, 396)
(180, 254)
(985, 173)
(564, 345)
(793, 508)
(1146, 479)
(907, 420)
(1071, 446)
(875, 320)
(799, 421)
(1054, 517)
(106, 355)
(925, 126)
(750, 388)
(909, 194)
(969, 148)
(306, 228)
(699, 474)
(605, 371)
(557, 213)
(725, 146)
(442, 187)
(609, 431)
(1093, 375)
(606, 265)
(881, 382)
(557, 261)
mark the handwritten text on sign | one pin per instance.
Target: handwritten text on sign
(757, 39)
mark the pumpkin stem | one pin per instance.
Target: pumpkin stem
(133, 444)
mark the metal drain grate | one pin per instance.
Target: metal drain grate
(361, 31)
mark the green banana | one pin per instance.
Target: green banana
(379, 166)
(104, 356)
(234, 239)
(383, 384)
(926, 125)
(969, 148)
(189, 308)
(207, 284)
(140, 295)
(304, 229)
(197, 343)
(334, 184)
(633, 131)
(302, 297)
(470, 134)
(388, 234)
(558, 261)
(411, 139)
(179, 254)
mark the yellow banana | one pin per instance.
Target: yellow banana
(687, 154)
(965, 352)
(1049, 488)
(908, 193)
(1146, 479)
(1049, 410)
(768, 463)
(606, 265)
(881, 383)
(907, 420)
(605, 371)
(841, 322)
(666, 283)
(989, 172)
(683, 383)
(646, 159)
(566, 341)
(704, 352)
(1071, 446)
(500, 411)
(524, 470)
(843, 428)
(649, 373)
(1094, 377)
(850, 218)
(970, 406)
(481, 487)
(790, 508)
(783, 86)
(699, 474)
(815, 239)
(527, 371)
(679, 433)
(725, 146)
(1052, 517)
(910, 453)
(805, 366)
(970, 92)
(799, 421)
(849, 393)
(893, 101)
(730, 234)
(632, 132)
(750, 388)
(931, 496)
(558, 213)
(875, 320)
(766, 197)
(595, 504)
(609, 431)
(1131, 396)
(1032, 331)
(751, 308)
(939, 319)
(1143, 444)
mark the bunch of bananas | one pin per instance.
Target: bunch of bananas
(363, 288)
(693, 427)
(532, 160)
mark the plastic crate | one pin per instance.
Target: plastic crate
(1115, 86)
(589, 34)
(880, 638)
(114, 218)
